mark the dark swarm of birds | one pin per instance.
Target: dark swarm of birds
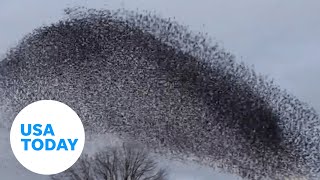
(151, 80)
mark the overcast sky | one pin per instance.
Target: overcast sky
(281, 38)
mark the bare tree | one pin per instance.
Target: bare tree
(81, 170)
(125, 163)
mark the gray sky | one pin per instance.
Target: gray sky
(280, 38)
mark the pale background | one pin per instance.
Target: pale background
(280, 39)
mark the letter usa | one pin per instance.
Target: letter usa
(45, 143)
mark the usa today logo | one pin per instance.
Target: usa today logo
(47, 137)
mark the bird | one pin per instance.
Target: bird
(152, 81)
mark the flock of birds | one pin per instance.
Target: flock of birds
(151, 81)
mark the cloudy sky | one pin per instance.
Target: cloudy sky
(279, 38)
